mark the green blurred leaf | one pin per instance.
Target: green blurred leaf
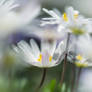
(50, 87)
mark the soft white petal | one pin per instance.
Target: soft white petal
(43, 23)
(48, 47)
(51, 13)
(49, 18)
(59, 52)
(29, 12)
(37, 64)
(25, 49)
(35, 48)
(52, 48)
(26, 56)
(57, 12)
(60, 28)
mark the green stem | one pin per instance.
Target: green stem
(64, 69)
(65, 60)
(42, 80)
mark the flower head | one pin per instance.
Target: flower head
(47, 56)
(81, 61)
(70, 20)
(83, 52)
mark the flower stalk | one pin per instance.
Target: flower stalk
(64, 69)
(65, 60)
(42, 80)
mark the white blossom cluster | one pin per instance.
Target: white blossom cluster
(71, 36)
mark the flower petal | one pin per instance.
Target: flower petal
(35, 48)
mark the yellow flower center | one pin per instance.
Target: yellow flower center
(65, 17)
(79, 57)
(40, 58)
(50, 58)
(77, 31)
(79, 64)
(75, 16)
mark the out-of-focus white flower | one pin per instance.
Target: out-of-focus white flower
(48, 56)
(10, 19)
(55, 18)
(71, 21)
(46, 32)
(81, 61)
(83, 51)
(7, 15)
(29, 11)
(85, 86)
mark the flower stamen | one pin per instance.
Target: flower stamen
(50, 58)
(75, 16)
(79, 64)
(65, 17)
(79, 57)
(40, 58)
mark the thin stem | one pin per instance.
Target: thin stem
(65, 60)
(42, 80)
(73, 77)
(64, 69)
(78, 78)
(67, 43)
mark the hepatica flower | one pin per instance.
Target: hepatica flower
(83, 57)
(81, 61)
(47, 56)
(70, 20)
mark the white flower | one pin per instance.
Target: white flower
(7, 15)
(47, 56)
(47, 32)
(55, 18)
(10, 19)
(81, 61)
(83, 51)
(71, 21)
